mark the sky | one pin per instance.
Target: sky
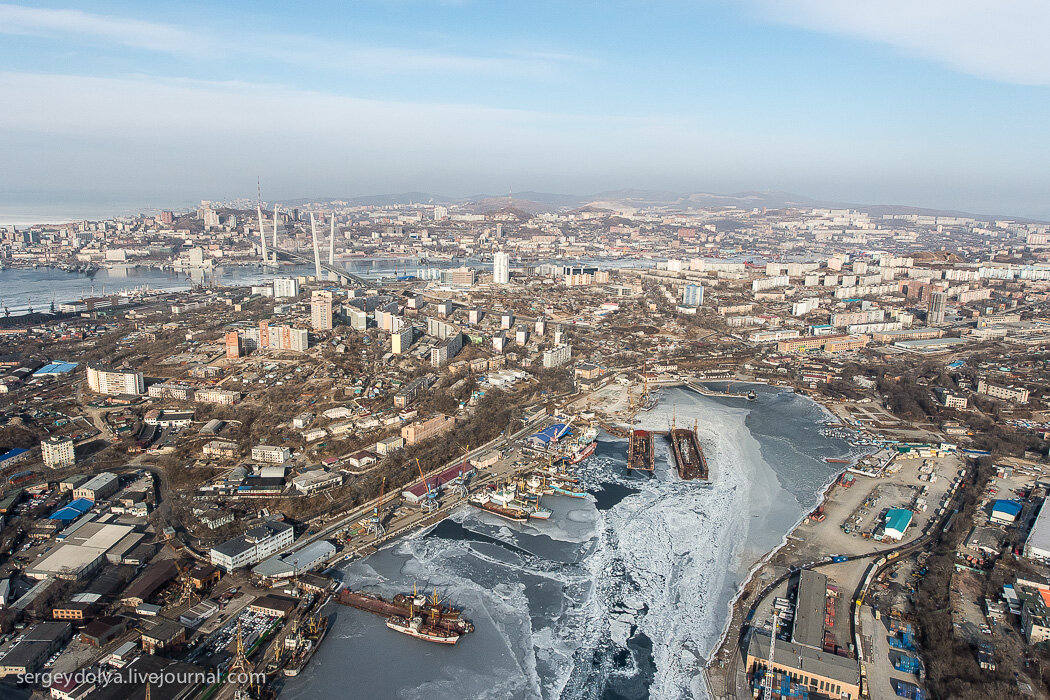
(939, 103)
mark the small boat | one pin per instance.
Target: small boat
(751, 395)
(538, 512)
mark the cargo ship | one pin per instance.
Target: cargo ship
(407, 605)
(688, 455)
(589, 436)
(640, 451)
(302, 644)
(490, 503)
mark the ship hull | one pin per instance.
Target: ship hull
(640, 451)
(433, 635)
(688, 455)
(514, 515)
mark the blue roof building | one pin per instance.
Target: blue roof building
(74, 510)
(549, 435)
(1005, 511)
(15, 453)
(56, 367)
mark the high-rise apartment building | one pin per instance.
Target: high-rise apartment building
(321, 310)
(693, 295)
(936, 309)
(58, 452)
(285, 287)
(501, 268)
(233, 345)
(112, 381)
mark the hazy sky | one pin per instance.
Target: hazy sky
(938, 103)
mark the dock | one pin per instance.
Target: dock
(688, 455)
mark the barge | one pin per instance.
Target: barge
(688, 455)
(640, 454)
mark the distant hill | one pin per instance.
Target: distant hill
(532, 203)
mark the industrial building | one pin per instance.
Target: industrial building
(897, 522)
(98, 487)
(279, 568)
(828, 674)
(253, 546)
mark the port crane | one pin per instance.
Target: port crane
(459, 484)
(375, 522)
(768, 680)
(429, 503)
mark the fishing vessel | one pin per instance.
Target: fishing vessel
(640, 451)
(538, 512)
(564, 487)
(303, 643)
(418, 628)
(582, 453)
(588, 436)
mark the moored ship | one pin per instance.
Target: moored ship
(640, 451)
(688, 455)
(408, 605)
(418, 628)
(582, 453)
(487, 502)
(303, 644)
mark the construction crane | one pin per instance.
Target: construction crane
(375, 523)
(430, 500)
(768, 684)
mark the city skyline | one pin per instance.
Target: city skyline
(835, 101)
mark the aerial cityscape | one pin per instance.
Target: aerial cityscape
(372, 358)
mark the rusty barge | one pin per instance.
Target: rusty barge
(640, 451)
(688, 455)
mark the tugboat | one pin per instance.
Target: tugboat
(751, 395)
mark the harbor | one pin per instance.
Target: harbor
(520, 582)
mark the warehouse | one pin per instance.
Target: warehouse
(74, 510)
(1005, 511)
(897, 522)
(809, 609)
(36, 646)
(279, 568)
(821, 672)
(1037, 546)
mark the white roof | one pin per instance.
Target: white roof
(1039, 537)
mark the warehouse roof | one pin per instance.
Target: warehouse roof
(805, 659)
(1039, 537)
(73, 511)
(1008, 507)
(809, 609)
(898, 519)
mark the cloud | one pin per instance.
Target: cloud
(1002, 40)
(297, 50)
(75, 132)
(133, 33)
